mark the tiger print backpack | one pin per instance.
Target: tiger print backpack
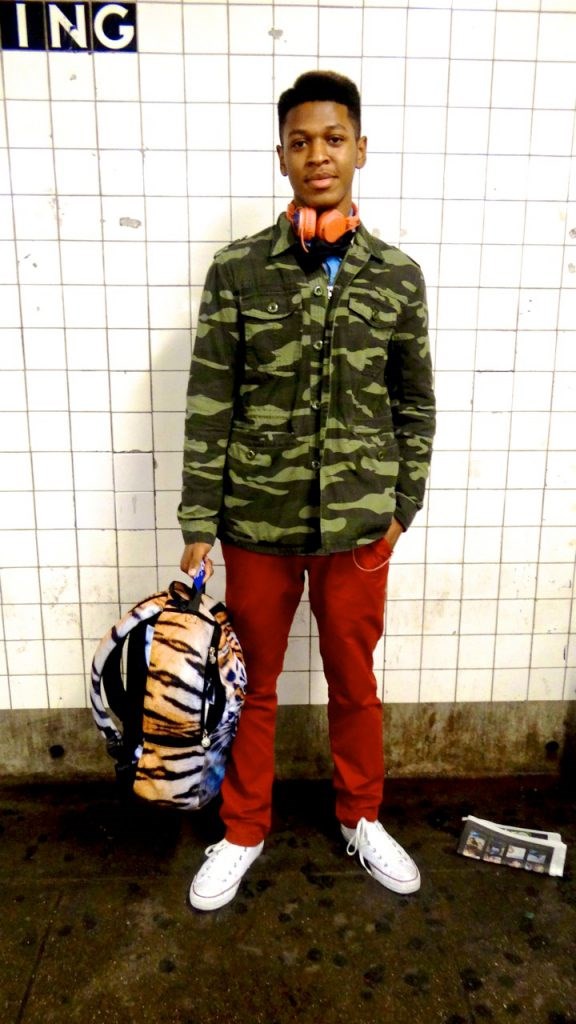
(177, 697)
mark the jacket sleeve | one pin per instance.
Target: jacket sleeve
(410, 385)
(209, 407)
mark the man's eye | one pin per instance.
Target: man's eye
(298, 144)
(335, 140)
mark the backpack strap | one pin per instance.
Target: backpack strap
(106, 671)
(124, 693)
(136, 675)
(111, 680)
(126, 701)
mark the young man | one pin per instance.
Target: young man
(308, 437)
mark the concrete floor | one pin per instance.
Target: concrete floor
(95, 927)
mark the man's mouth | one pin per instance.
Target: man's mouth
(321, 180)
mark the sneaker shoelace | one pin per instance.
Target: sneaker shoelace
(215, 848)
(361, 838)
(222, 857)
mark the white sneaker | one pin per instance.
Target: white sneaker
(382, 856)
(218, 880)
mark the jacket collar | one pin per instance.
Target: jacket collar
(283, 237)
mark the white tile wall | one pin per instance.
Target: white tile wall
(121, 174)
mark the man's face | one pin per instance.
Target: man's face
(320, 153)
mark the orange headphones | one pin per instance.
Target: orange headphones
(329, 226)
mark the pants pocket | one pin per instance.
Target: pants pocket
(372, 557)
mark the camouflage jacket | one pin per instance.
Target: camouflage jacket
(310, 418)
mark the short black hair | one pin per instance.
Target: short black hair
(315, 86)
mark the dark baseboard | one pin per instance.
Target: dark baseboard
(459, 740)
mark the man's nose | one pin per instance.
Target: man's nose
(317, 151)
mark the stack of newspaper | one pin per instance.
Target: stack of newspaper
(543, 852)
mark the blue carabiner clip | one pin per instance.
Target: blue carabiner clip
(198, 579)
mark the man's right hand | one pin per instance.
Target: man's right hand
(192, 555)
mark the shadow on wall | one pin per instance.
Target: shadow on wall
(568, 758)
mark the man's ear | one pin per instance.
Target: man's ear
(362, 151)
(283, 168)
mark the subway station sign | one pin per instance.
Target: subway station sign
(37, 25)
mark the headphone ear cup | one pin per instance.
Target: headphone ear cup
(331, 226)
(305, 223)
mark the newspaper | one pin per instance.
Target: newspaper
(542, 852)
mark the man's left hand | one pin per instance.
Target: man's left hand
(393, 533)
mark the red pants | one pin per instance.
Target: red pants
(347, 593)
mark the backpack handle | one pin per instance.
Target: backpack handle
(187, 598)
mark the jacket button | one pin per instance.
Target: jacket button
(315, 464)
(318, 345)
(250, 454)
(273, 307)
(318, 290)
(315, 404)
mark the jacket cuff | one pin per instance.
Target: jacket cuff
(405, 510)
(198, 537)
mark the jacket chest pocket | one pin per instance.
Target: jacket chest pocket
(272, 325)
(370, 326)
